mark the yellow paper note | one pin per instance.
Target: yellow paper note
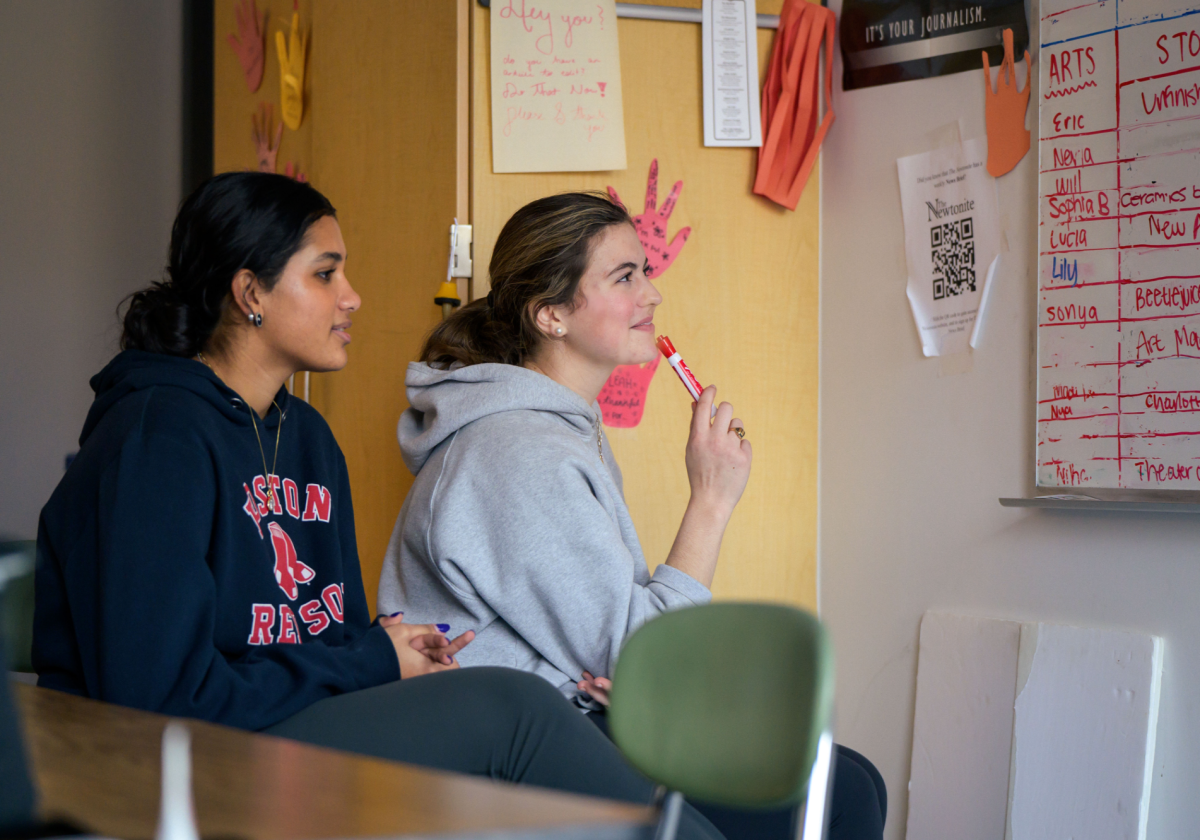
(556, 86)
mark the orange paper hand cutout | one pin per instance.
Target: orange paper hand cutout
(248, 43)
(292, 53)
(1008, 139)
(261, 123)
(792, 135)
(651, 224)
(623, 397)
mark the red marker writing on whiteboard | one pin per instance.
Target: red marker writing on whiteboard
(681, 369)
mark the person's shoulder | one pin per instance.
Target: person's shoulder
(523, 436)
(314, 429)
(164, 411)
(303, 414)
(161, 423)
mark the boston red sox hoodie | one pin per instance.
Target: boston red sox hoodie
(170, 579)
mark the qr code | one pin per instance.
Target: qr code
(953, 258)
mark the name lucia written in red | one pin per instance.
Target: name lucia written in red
(269, 623)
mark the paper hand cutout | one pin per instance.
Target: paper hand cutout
(293, 171)
(1008, 139)
(265, 150)
(623, 397)
(651, 225)
(791, 99)
(292, 53)
(248, 43)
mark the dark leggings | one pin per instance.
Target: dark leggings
(857, 809)
(494, 722)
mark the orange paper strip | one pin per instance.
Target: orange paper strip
(790, 102)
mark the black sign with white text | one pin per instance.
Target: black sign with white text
(886, 42)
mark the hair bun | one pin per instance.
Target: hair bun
(157, 321)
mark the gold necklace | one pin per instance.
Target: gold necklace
(278, 431)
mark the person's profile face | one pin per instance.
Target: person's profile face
(306, 315)
(613, 323)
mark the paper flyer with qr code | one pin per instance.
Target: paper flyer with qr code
(951, 242)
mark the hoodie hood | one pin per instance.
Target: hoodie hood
(444, 401)
(136, 370)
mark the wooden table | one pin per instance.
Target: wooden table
(97, 765)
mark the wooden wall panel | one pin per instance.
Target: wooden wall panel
(381, 132)
(384, 153)
(740, 303)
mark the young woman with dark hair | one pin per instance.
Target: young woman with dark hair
(198, 558)
(516, 527)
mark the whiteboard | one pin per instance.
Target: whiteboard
(1119, 245)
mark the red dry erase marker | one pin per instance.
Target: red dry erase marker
(681, 369)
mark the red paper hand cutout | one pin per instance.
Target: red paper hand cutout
(1008, 139)
(623, 397)
(293, 172)
(249, 43)
(651, 225)
(261, 123)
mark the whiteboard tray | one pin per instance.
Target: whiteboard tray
(1130, 505)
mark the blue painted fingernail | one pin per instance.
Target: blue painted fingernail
(443, 628)
(393, 615)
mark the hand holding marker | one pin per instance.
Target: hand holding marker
(686, 376)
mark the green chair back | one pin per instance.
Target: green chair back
(16, 601)
(726, 702)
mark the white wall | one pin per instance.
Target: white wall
(912, 464)
(89, 183)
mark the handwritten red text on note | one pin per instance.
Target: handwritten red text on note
(556, 87)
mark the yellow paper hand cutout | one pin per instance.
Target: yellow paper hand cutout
(291, 74)
(1008, 139)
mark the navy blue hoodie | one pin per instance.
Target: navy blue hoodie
(167, 583)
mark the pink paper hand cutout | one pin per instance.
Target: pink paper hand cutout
(1008, 139)
(623, 397)
(249, 44)
(263, 147)
(294, 173)
(651, 225)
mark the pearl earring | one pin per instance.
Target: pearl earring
(558, 331)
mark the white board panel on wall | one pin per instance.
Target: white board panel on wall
(962, 732)
(1032, 731)
(1119, 246)
(1083, 739)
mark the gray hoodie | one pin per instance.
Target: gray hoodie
(516, 526)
